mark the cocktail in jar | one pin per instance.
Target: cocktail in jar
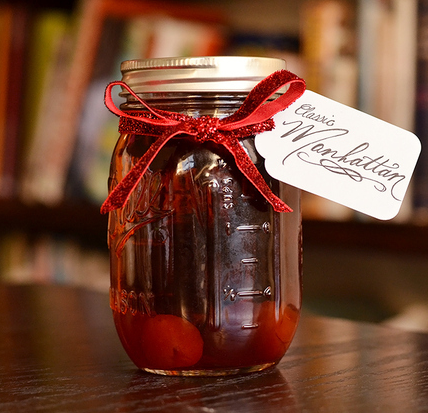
(205, 274)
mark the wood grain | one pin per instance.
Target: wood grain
(59, 353)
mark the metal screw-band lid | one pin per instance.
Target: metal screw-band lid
(198, 74)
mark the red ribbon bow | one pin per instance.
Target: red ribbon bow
(254, 116)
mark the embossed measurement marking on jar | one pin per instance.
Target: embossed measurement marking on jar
(249, 267)
(249, 326)
(227, 193)
(231, 293)
(265, 227)
(249, 261)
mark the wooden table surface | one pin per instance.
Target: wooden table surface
(59, 353)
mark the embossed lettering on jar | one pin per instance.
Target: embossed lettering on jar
(205, 276)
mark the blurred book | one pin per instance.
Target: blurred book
(328, 39)
(284, 46)
(420, 181)
(328, 52)
(133, 38)
(50, 258)
(15, 67)
(387, 37)
(49, 46)
(43, 179)
(68, 133)
(6, 19)
(387, 68)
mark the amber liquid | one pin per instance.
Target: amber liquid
(196, 265)
(231, 347)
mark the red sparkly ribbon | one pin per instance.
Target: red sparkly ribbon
(253, 117)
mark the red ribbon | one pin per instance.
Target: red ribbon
(254, 116)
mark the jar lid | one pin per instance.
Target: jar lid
(198, 74)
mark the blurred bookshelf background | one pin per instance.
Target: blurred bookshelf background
(56, 137)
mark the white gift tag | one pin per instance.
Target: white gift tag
(342, 154)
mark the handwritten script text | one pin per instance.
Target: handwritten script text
(316, 147)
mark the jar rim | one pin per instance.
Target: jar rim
(201, 74)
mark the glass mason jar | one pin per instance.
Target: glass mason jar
(205, 276)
